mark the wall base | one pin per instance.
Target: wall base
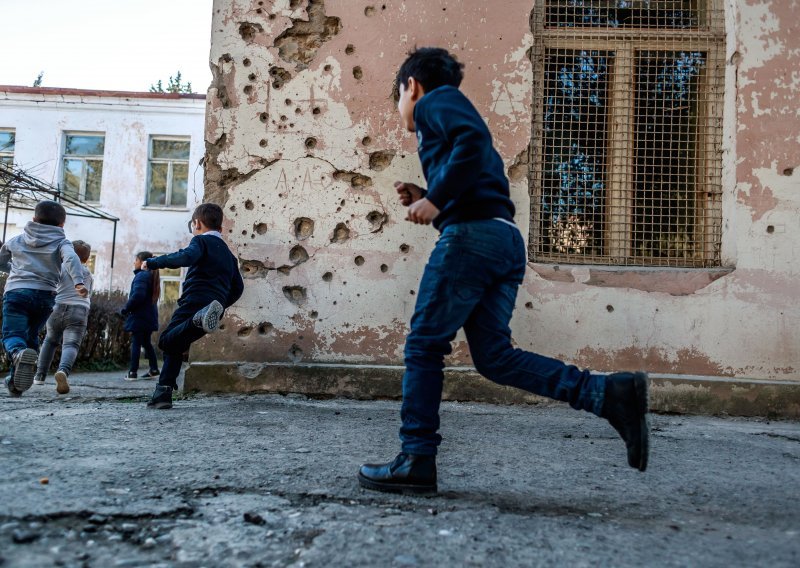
(680, 394)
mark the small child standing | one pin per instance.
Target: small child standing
(68, 322)
(471, 281)
(141, 313)
(212, 284)
(34, 260)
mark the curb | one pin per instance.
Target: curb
(678, 394)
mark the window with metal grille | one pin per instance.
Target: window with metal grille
(627, 132)
(171, 283)
(168, 172)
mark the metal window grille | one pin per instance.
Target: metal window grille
(627, 132)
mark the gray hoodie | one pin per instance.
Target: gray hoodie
(34, 258)
(66, 293)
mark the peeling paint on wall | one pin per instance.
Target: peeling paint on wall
(303, 146)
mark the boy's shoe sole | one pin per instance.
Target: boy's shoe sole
(208, 317)
(25, 369)
(62, 386)
(404, 488)
(151, 375)
(159, 405)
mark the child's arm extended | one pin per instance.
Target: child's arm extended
(470, 141)
(72, 264)
(184, 257)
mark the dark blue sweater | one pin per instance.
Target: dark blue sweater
(141, 312)
(465, 175)
(213, 271)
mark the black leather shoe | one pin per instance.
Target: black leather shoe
(625, 407)
(161, 399)
(407, 473)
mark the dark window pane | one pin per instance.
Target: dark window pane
(664, 14)
(170, 149)
(574, 142)
(180, 183)
(157, 192)
(8, 160)
(94, 177)
(6, 141)
(73, 176)
(666, 156)
(85, 145)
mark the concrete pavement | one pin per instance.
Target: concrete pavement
(94, 478)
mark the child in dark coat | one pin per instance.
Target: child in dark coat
(212, 284)
(142, 316)
(471, 282)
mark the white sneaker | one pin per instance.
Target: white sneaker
(38, 380)
(62, 386)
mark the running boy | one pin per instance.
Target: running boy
(68, 322)
(212, 284)
(33, 261)
(471, 281)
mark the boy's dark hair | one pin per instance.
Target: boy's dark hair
(209, 214)
(144, 255)
(432, 67)
(82, 249)
(49, 213)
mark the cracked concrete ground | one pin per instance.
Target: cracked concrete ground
(268, 480)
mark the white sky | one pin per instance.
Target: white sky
(105, 44)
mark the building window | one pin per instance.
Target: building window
(171, 283)
(7, 142)
(83, 166)
(168, 172)
(627, 132)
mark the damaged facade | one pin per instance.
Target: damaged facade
(135, 155)
(304, 144)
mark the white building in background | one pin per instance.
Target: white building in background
(137, 156)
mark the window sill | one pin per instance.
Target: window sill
(164, 208)
(664, 279)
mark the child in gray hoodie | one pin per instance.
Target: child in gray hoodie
(33, 261)
(67, 324)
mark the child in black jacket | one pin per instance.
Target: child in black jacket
(471, 281)
(212, 284)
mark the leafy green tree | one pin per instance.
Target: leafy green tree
(174, 85)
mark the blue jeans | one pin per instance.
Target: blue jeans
(140, 339)
(471, 281)
(67, 323)
(25, 312)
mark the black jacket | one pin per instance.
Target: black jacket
(213, 271)
(141, 311)
(465, 174)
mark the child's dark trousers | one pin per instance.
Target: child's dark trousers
(471, 281)
(176, 339)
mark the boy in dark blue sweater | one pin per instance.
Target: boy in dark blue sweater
(212, 284)
(471, 281)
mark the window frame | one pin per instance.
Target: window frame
(163, 279)
(169, 161)
(83, 158)
(6, 156)
(620, 191)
